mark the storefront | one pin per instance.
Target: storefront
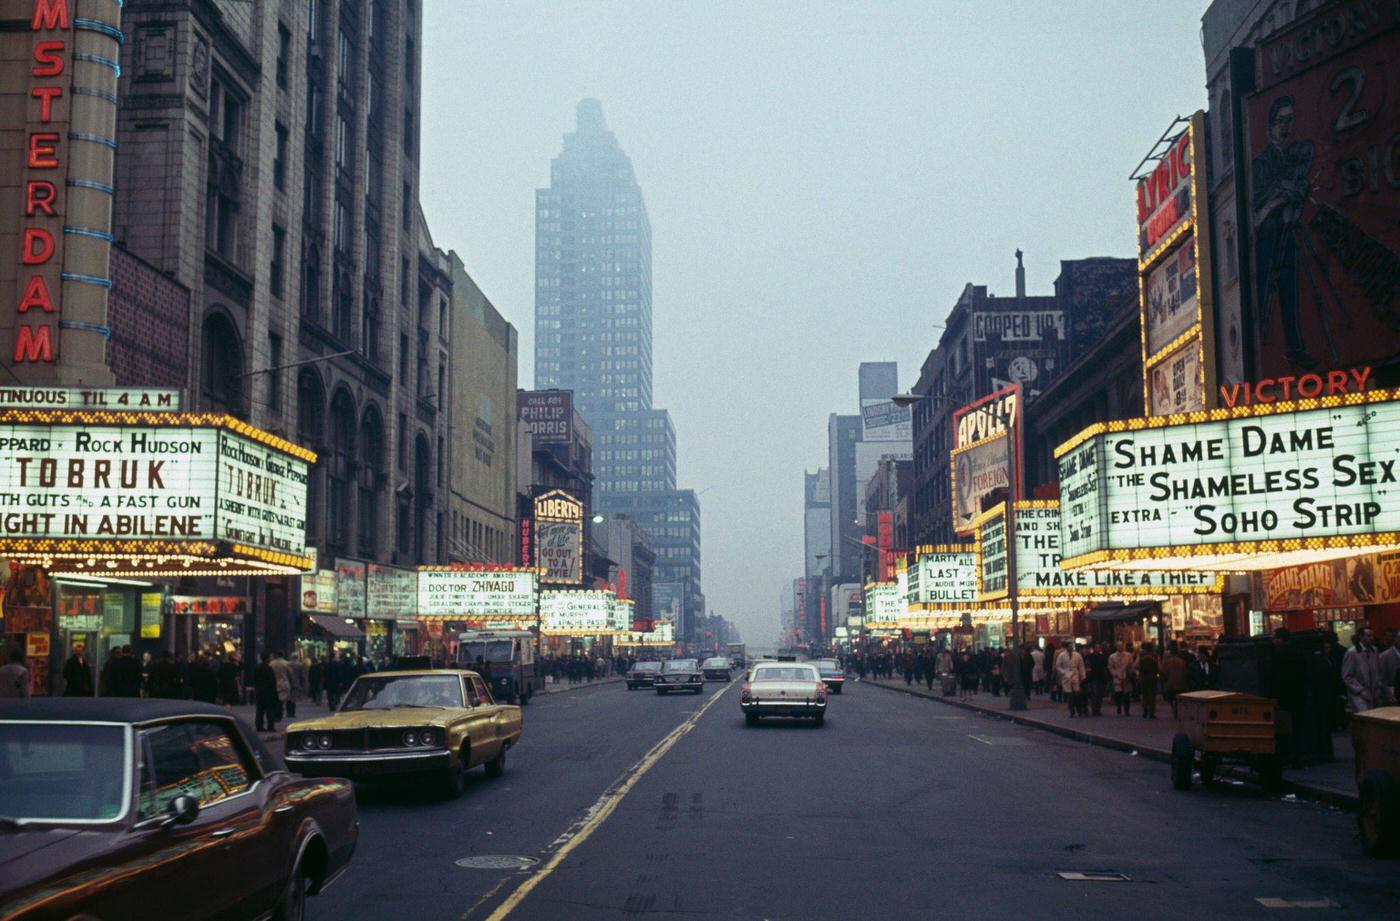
(1342, 596)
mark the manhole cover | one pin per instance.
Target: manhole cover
(1093, 876)
(496, 862)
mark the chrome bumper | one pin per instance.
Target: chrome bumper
(367, 765)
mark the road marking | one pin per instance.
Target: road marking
(998, 740)
(594, 816)
(1296, 903)
(1093, 876)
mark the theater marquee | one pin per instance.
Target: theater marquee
(1258, 487)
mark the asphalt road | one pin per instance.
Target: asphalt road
(898, 807)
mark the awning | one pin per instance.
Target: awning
(1121, 612)
(337, 627)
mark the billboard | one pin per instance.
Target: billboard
(1323, 192)
(471, 593)
(548, 415)
(1372, 578)
(882, 420)
(1178, 343)
(350, 586)
(979, 462)
(580, 613)
(90, 482)
(1248, 485)
(884, 606)
(559, 537)
(391, 593)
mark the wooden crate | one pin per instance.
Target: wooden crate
(1228, 722)
(1376, 737)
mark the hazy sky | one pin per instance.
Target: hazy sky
(822, 180)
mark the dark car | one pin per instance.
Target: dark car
(716, 668)
(680, 675)
(832, 674)
(114, 807)
(642, 675)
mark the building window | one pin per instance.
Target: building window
(408, 61)
(284, 49)
(310, 411)
(221, 221)
(342, 142)
(408, 138)
(279, 259)
(372, 329)
(274, 373)
(311, 199)
(345, 53)
(340, 470)
(221, 366)
(310, 281)
(403, 359)
(279, 158)
(403, 442)
(371, 477)
(341, 233)
(422, 363)
(344, 305)
(407, 221)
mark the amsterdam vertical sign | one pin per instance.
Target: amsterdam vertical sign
(59, 175)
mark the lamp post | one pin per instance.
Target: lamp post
(1017, 696)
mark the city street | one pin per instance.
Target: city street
(898, 806)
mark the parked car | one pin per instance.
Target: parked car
(440, 722)
(715, 669)
(642, 675)
(783, 689)
(112, 807)
(832, 674)
(679, 675)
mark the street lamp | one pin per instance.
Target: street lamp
(1017, 695)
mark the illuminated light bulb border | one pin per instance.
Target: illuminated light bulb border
(163, 420)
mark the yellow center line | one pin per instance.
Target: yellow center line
(598, 813)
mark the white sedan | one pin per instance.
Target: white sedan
(783, 689)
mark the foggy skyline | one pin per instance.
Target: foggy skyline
(820, 177)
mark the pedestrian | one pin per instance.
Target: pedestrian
(1096, 670)
(1027, 671)
(124, 679)
(227, 678)
(299, 680)
(77, 674)
(14, 677)
(204, 685)
(1390, 670)
(335, 680)
(1175, 676)
(930, 668)
(1148, 673)
(968, 675)
(165, 677)
(282, 670)
(1120, 665)
(315, 678)
(1069, 668)
(265, 695)
(1038, 670)
(104, 677)
(1361, 673)
(907, 666)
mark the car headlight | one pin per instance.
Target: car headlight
(410, 738)
(308, 741)
(427, 737)
(324, 741)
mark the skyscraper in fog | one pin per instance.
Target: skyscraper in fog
(593, 336)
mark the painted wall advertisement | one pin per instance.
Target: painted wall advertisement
(882, 420)
(548, 415)
(1323, 165)
(979, 459)
(145, 482)
(1260, 476)
(350, 585)
(318, 592)
(471, 593)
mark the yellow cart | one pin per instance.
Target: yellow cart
(1226, 727)
(1376, 737)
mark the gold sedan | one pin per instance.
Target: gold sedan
(396, 724)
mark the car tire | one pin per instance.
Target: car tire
(292, 905)
(660, 692)
(525, 697)
(819, 720)
(750, 719)
(837, 689)
(454, 779)
(497, 765)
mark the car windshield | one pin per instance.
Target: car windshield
(785, 673)
(716, 663)
(63, 773)
(486, 650)
(385, 692)
(647, 667)
(828, 667)
(679, 665)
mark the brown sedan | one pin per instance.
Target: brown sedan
(120, 808)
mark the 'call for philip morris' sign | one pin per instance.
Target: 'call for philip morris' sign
(1267, 474)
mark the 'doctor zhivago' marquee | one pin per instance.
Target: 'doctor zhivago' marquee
(1256, 487)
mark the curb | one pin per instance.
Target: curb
(1326, 795)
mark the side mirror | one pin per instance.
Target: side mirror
(183, 810)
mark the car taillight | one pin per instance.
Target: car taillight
(746, 693)
(821, 692)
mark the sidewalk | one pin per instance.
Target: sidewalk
(1333, 783)
(307, 710)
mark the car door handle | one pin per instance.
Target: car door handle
(284, 808)
(223, 832)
